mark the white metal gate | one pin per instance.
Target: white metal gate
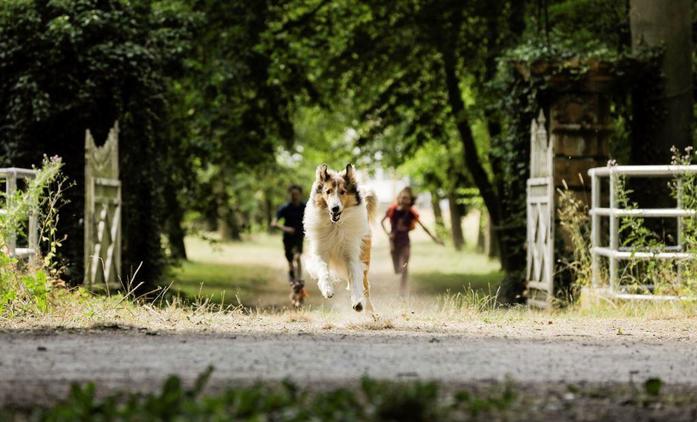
(613, 251)
(31, 249)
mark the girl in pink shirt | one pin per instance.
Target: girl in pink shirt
(403, 218)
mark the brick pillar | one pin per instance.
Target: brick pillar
(575, 121)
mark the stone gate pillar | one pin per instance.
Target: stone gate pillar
(569, 136)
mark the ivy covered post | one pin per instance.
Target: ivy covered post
(569, 135)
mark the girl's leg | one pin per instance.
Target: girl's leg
(394, 253)
(405, 252)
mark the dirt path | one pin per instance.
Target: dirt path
(36, 367)
(255, 272)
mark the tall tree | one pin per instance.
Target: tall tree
(407, 65)
(236, 103)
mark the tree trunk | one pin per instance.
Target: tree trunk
(662, 104)
(510, 244)
(491, 244)
(268, 210)
(455, 221)
(437, 211)
(228, 225)
(665, 120)
(510, 238)
(175, 231)
(471, 156)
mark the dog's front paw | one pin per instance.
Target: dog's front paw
(325, 286)
(357, 304)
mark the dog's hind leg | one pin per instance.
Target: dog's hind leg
(365, 261)
(366, 292)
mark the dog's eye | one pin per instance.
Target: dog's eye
(342, 192)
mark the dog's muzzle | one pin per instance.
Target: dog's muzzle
(335, 216)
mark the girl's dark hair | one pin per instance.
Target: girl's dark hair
(293, 187)
(409, 192)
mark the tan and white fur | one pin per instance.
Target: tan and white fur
(337, 225)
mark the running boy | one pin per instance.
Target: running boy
(293, 235)
(403, 218)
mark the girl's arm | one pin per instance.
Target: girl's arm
(435, 239)
(382, 224)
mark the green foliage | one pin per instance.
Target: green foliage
(371, 401)
(24, 286)
(574, 221)
(652, 386)
(69, 65)
(239, 108)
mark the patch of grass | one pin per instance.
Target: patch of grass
(435, 270)
(595, 305)
(224, 283)
(439, 282)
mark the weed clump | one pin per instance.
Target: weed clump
(25, 283)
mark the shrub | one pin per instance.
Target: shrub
(24, 285)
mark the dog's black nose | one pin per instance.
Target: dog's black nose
(335, 209)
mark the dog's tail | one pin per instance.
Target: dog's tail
(371, 201)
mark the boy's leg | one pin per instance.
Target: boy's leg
(297, 255)
(298, 266)
(288, 250)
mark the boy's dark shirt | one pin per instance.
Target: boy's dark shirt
(292, 216)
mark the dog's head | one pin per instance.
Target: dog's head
(336, 192)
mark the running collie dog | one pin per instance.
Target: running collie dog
(337, 225)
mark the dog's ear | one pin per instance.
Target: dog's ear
(322, 173)
(350, 173)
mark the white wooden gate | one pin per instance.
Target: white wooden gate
(102, 211)
(540, 216)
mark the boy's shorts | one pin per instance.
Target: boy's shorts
(292, 245)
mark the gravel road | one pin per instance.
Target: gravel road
(39, 367)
